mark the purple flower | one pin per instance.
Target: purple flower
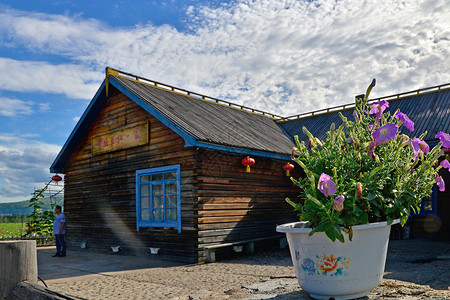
(418, 146)
(326, 185)
(445, 164)
(424, 147)
(415, 147)
(339, 203)
(444, 137)
(374, 108)
(441, 184)
(385, 133)
(406, 121)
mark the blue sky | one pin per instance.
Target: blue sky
(285, 57)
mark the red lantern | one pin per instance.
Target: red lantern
(56, 178)
(288, 167)
(247, 162)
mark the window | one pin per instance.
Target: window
(158, 197)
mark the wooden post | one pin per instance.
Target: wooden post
(18, 262)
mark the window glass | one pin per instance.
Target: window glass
(171, 201)
(171, 175)
(158, 214)
(171, 188)
(159, 201)
(171, 214)
(157, 189)
(145, 190)
(158, 177)
(145, 178)
(145, 214)
(145, 202)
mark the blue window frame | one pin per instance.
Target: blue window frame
(428, 206)
(158, 197)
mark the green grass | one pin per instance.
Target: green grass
(12, 229)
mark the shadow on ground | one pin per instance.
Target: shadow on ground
(81, 263)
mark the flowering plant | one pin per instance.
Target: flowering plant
(365, 171)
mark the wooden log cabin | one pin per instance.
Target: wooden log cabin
(149, 165)
(153, 166)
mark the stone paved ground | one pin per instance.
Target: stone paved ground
(412, 272)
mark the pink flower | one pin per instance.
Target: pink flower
(406, 121)
(385, 133)
(440, 183)
(326, 185)
(445, 164)
(444, 137)
(339, 203)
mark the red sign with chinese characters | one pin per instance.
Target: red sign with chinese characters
(126, 138)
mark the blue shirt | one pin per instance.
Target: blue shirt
(61, 218)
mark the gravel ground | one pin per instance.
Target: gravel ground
(414, 270)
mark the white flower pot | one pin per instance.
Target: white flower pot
(338, 270)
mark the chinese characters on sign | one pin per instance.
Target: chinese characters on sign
(126, 138)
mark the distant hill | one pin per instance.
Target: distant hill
(21, 208)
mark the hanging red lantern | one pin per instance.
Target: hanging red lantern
(288, 167)
(247, 162)
(56, 178)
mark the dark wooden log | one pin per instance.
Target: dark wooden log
(28, 290)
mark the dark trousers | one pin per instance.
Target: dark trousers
(60, 244)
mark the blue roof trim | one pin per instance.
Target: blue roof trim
(189, 139)
(82, 127)
(243, 151)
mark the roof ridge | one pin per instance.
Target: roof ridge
(423, 91)
(180, 91)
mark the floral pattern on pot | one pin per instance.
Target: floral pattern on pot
(325, 265)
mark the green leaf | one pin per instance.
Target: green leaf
(331, 234)
(371, 196)
(389, 220)
(338, 233)
(365, 218)
(321, 228)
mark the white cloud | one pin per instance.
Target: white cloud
(24, 166)
(30, 76)
(12, 107)
(285, 57)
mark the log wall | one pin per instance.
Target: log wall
(100, 191)
(234, 205)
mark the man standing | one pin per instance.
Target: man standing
(59, 230)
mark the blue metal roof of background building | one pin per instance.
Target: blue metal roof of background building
(429, 111)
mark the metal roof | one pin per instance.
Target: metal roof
(208, 122)
(429, 111)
